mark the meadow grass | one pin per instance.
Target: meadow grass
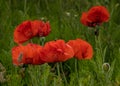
(64, 17)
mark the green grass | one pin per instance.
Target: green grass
(72, 72)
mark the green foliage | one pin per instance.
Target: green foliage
(64, 17)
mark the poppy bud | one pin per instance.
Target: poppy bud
(106, 67)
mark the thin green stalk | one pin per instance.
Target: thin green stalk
(42, 41)
(63, 74)
(58, 69)
(98, 43)
(76, 71)
(25, 6)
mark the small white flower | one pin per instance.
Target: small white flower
(67, 13)
(75, 15)
(43, 18)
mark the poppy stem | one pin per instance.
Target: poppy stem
(31, 41)
(58, 69)
(96, 31)
(76, 70)
(63, 73)
(42, 40)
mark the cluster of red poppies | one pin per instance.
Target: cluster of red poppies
(53, 51)
(58, 50)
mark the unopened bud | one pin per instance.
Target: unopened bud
(106, 67)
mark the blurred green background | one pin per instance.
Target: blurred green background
(64, 17)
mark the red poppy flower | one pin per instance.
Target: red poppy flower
(17, 52)
(42, 28)
(85, 20)
(29, 29)
(45, 30)
(23, 32)
(28, 54)
(95, 16)
(82, 49)
(56, 51)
